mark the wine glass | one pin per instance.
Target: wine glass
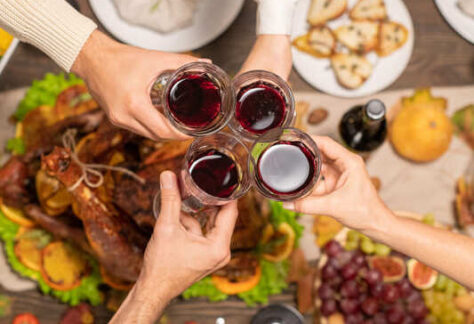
(264, 101)
(197, 98)
(214, 172)
(285, 164)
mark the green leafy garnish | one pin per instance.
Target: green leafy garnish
(280, 215)
(204, 288)
(87, 291)
(16, 146)
(45, 92)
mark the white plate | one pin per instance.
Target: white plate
(318, 72)
(211, 19)
(456, 18)
(6, 57)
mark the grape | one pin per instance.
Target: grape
(395, 314)
(367, 246)
(328, 307)
(362, 297)
(417, 309)
(328, 272)
(358, 258)
(370, 306)
(349, 271)
(379, 318)
(458, 316)
(335, 282)
(353, 236)
(450, 288)
(356, 318)
(369, 321)
(344, 258)
(390, 293)
(325, 291)
(377, 290)
(408, 320)
(441, 282)
(351, 245)
(332, 248)
(373, 277)
(414, 295)
(349, 306)
(381, 249)
(363, 288)
(424, 321)
(349, 289)
(404, 287)
(429, 219)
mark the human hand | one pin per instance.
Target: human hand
(120, 78)
(344, 191)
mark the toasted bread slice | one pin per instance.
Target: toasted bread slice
(351, 70)
(319, 42)
(392, 36)
(369, 10)
(359, 36)
(322, 11)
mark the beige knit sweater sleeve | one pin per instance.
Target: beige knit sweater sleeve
(51, 25)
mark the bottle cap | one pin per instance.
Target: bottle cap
(278, 314)
(375, 109)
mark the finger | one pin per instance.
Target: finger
(191, 224)
(136, 127)
(159, 126)
(328, 180)
(336, 152)
(225, 222)
(170, 198)
(311, 205)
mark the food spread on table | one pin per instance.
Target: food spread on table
(5, 41)
(369, 30)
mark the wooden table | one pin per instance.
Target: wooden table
(440, 58)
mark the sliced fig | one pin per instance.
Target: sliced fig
(421, 276)
(392, 268)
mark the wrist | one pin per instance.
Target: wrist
(97, 46)
(382, 222)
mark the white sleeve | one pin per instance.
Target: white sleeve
(275, 16)
(51, 25)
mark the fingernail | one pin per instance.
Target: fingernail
(205, 60)
(167, 180)
(289, 205)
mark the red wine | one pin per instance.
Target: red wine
(286, 167)
(260, 107)
(194, 100)
(215, 173)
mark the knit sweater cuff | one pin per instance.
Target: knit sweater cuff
(51, 25)
(275, 16)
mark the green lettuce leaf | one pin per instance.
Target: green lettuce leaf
(280, 215)
(204, 288)
(87, 291)
(16, 146)
(45, 92)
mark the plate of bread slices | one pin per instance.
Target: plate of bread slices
(351, 48)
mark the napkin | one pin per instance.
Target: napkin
(161, 15)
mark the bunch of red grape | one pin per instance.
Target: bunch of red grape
(350, 287)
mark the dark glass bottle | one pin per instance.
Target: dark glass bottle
(364, 128)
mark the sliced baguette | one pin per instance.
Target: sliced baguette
(392, 36)
(322, 11)
(359, 36)
(369, 10)
(351, 70)
(319, 42)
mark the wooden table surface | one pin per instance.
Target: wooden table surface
(440, 58)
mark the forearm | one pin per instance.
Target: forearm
(271, 53)
(142, 306)
(51, 25)
(445, 251)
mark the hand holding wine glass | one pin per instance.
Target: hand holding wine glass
(177, 255)
(344, 191)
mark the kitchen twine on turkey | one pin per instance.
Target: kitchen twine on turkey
(89, 169)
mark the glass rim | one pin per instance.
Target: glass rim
(262, 189)
(218, 74)
(244, 169)
(237, 84)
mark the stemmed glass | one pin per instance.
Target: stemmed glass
(264, 101)
(197, 98)
(214, 172)
(285, 164)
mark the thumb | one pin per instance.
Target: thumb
(170, 198)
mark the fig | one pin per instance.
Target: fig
(392, 268)
(420, 275)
